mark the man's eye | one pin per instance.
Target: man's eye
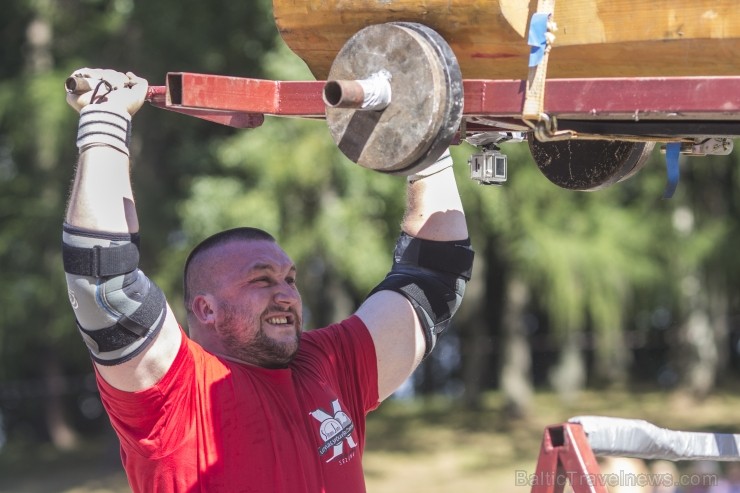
(290, 280)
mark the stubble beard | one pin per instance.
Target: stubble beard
(261, 349)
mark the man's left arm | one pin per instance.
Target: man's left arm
(432, 263)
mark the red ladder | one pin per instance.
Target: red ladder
(566, 458)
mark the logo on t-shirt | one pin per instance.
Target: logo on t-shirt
(334, 430)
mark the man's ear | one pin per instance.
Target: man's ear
(204, 308)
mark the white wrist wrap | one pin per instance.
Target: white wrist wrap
(102, 125)
(444, 162)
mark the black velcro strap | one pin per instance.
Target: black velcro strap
(148, 312)
(129, 329)
(432, 321)
(100, 261)
(111, 338)
(430, 294)
(455, 257)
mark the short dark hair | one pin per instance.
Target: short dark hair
(242, 233)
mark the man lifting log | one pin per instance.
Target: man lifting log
(247, 401)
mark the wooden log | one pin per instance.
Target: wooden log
(595, 38)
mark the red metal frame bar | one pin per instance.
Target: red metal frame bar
(243, 102)
(566, 458)
(159, 96)
(623, 98)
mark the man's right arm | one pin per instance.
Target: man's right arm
(432, 263)
(130, 330)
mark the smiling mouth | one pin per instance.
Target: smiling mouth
(280, 320)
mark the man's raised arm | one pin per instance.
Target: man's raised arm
(122, 316)
(432, 263)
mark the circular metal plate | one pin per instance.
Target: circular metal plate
(588, 165)
(426, 98)
(454, 101)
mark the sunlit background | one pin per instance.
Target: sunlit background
(614, 302)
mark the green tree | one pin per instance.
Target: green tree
(37, 154)
(34, 125)
(584, 265)
(703, 265)
(577, 259)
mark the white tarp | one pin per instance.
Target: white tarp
(637, 438)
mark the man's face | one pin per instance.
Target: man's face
(258, 307)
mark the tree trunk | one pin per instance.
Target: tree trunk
(39, 61)
(594, 38)
(568, 377)
(473, 323)
(62, 435)
(698, 355)
(613, 357)
(702, 343)
(331, 303)
(516, 383)
(718, 313)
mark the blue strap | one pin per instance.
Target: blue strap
(672, 152)
(537, 39)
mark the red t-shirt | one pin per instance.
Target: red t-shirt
(212, 425)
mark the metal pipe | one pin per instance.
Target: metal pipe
(77, 85)
(344, 94)
(81, 85)
(371, 94)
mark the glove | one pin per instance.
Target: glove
(107, 107)
(118, 91)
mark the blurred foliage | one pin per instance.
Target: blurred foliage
(621, 268)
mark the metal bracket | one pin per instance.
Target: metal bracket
(714, 146)
(546, 129)
(566, 457)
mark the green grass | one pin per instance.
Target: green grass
(430, 445)
(438, 447)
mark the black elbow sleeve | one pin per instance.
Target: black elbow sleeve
(432, 275)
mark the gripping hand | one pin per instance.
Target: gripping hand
(124, 92)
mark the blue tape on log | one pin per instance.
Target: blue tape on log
(537, 39)
(672, 152)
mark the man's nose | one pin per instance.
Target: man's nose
(286, 294)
